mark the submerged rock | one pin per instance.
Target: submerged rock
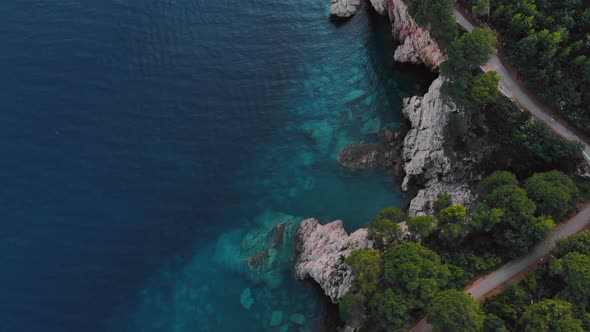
(246, 299)
(361, 156)
(320, 254)
(298, 319)
(344, 8)
(276, 318)
(262, 253)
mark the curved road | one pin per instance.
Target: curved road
(483, 286)
(510, 88)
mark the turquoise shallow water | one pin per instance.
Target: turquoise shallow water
(341, 87)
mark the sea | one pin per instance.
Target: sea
(146, 142)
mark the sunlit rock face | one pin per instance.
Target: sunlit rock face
(321, 251)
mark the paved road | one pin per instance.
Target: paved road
(486, 284)
(514, 91)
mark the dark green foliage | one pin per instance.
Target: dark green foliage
(456, 129)
(481, 8)
(366, 267)
(475, 263)
(484, 219)
(436, 15)
(352, 310)
(548, 43)
(443, 200)
(550, 316)
(574, 268)
(465, 54)
(384, 229)
(422, 226)
(508, 305)
(415, 271)
(452, 214)
(527, 139)
(554, 192)
(493, 323)
(469, 51)
(514, 202)
(498, 179)
(392, 213)
(390, 311)
(485, 88)
(453, 310)
(579, 243)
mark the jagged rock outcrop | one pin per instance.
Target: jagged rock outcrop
(320, 254)
(380, 6)
(344, 8)
(427, 162)
(416, 43)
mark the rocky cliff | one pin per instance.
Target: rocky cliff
(344, 8)
(416, 43)
(320, 254)
(427, 162)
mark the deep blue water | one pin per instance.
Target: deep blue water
(136, 134)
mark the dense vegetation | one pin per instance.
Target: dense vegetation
(552, 298)
(548, 41)
(419, 272)
(436, 15)
(489, 115)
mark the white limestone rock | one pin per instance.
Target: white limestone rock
(426, 162)
(321, 250)
(344, 8)
(417, 45)
(380, 6)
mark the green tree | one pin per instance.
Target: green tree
(452, 214)
(554, 192)
(498, 179)
(390, 311)
(422, 226)
(392, 213)
(481, 8)
(453, 310)
(493, 323)
(415, 271)
(452, 234)
(550, 316)
(469, 51)
(437, 15)
(385, 228)
(517, 207)
(366, 267)
(443, 200)
(574, 268)
(484, 219)
(579, 243)
(485, 88)
(352, 310)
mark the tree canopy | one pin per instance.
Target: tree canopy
(554, 193)
(550, 316)
(453, 310)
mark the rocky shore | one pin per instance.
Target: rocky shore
(321, 251)
(424, 160)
